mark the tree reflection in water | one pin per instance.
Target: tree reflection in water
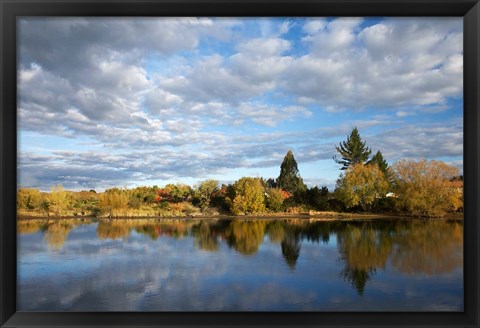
(245, 236)
(431, 249)
(113, 230)
(56, 234)
(276, 231)
(364, 247)
(206, 234)
(291, 247)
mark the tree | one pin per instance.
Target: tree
(383, 165)
(289, 178)
(204, 192)
(249, 196)
(318, 198)
(112, 200)
(29, 199)
(425, 188)
(353, 151)
(380, 161)
(58, 200)
(275, 198)
(362, 185)
(175, 193)
(271, 183)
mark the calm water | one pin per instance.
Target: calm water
(193, 265)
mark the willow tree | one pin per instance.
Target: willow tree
(362, 185)
(353, 151)
(289, 178)
(425, 188)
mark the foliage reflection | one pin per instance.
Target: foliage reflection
(364, 247)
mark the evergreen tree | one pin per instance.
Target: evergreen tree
(353, 151)
(318, 198)
(383, 165)
(289, 178)
(380, 161)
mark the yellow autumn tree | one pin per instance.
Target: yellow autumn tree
(425, 188)
(362, 185)
(28, 199)
(112, 201)
(249, 196)
(58, 200)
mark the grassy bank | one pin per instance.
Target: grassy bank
(312, 215)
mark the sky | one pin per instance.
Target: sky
(128, 102)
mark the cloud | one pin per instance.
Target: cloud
(335, 36)
(230, 94)
(395, 63)
(270, 116)
(420, 141)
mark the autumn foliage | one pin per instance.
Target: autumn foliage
(427, 188)
(362, 185)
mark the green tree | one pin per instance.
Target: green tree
(362, 185)
(425, 188)
(289, 178)
(204, 192)
(353, 151)
(318, 198)
(380, 161)
(249, 196)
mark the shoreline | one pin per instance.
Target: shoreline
(317, 216)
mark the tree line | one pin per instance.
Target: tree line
(366, 184)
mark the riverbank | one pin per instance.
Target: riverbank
(317, 216)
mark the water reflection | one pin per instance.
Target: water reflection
(245, 236)
(206, 236)
(363, 248)
(436, 248)
(291, 245)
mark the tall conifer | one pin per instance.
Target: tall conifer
(289, 178)
(380, 161)
(353, 151)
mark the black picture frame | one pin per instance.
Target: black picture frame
(10, 10)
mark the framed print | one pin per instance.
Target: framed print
(224, 163)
